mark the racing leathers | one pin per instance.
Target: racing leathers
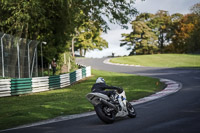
(100, 87)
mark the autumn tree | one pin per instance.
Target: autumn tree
(182, 31)
(186, 32)
(195, 9)
(162, 32)
(195, 46)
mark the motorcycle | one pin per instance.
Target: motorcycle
(108, 108)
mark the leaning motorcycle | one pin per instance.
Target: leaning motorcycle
(108, 108)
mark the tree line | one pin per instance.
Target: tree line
(164, 33)
(66, 25)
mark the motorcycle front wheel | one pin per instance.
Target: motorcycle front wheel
(104, 114)
(131, 110)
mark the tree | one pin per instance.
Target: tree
(176, 33)
(89, 38)
(185, 38)
(20, 17)
(185, 32)
(196, 34)
(114, 11)
(151, 31)
(57, 21)
(142, 39)
(175, 19)
(181, 35)
(195, 9)
(160, 23)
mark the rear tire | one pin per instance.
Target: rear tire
(131, 110)
(107, 117)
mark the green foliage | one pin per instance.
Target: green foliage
(185, 35)
(57, 21)
(142, 39)
(196, 9)
(195, 41)
(88, 37)
(164, 33)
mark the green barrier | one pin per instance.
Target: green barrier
(21, 93)
(54, 82)
(24, 85)
(83, 72)
(72, 77)
(23, 80)
(21, 86)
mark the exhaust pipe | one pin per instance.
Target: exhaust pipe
(109, 104)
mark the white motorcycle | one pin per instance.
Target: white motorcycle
(108, 108)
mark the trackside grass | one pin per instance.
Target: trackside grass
(24, 109)
(161, 60)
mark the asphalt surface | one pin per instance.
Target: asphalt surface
(176, 113)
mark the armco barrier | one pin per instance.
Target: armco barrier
(72, 77)
(54, 82)
(40, 84)
(5, 87)
(79, 74)
(64, 80)
(88, 71)
(21, 86)
(83, 72)
(10, 87)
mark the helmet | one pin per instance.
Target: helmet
(100, 80)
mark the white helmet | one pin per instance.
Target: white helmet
(100, 80)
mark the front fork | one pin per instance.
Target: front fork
(122, 102)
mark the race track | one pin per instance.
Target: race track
(176, 113)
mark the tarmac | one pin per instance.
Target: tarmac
(171, 88)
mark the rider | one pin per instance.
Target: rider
(100, 86)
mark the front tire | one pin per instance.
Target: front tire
(131, 110)
(107, 117)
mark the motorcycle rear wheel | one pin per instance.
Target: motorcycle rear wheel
(131, 110)
(107, 117)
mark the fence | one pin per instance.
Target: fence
(11, 87)
(18, 57)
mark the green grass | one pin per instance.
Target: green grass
(161, 60)
(24, 109)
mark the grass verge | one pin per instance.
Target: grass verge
(161, 60)
(24, 109)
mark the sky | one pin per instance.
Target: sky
(113, 36)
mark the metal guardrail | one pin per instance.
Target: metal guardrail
(11, 87)
(5, 85)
